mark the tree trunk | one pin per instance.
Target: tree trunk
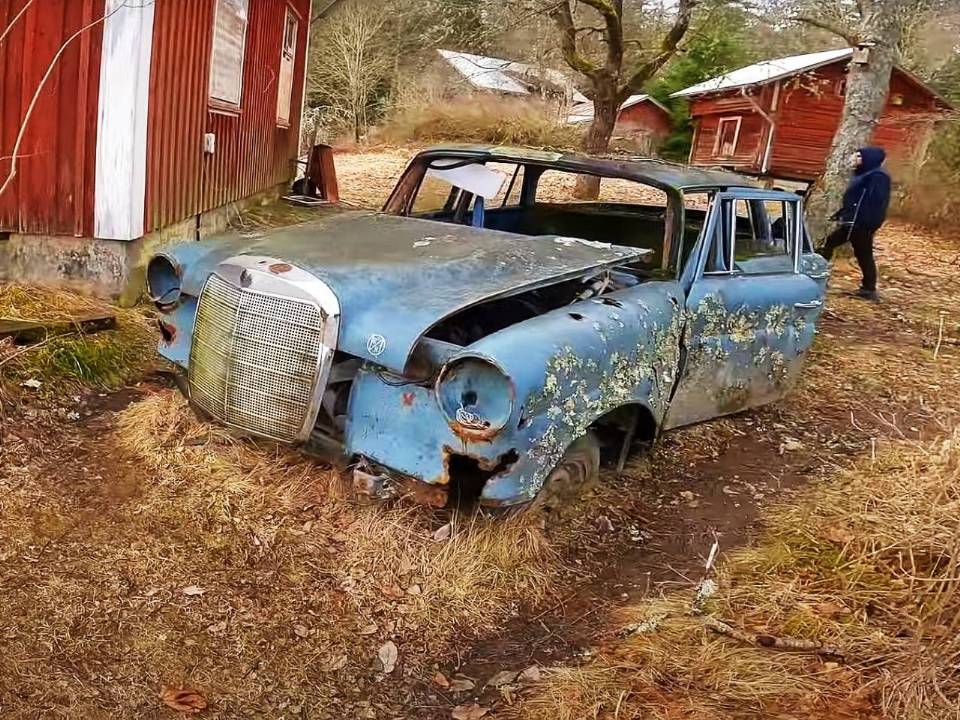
(867, 88)
(597, 142)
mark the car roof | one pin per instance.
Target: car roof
(651, 171)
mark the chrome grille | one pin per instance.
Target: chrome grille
(254, 359)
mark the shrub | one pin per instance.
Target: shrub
(928, 195)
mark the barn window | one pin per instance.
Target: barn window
(229, 45)
(288, 47)
(728, 133)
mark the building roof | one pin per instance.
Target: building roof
(766, 71)
(583, 112)
(506, 76)
(650, 171)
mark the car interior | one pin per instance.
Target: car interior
(533, 200)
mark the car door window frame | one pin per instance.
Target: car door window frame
(723, 219)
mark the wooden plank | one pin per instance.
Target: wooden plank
(30, 331)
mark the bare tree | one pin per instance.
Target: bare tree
(876, 28)
(352, 61)
(594, 43)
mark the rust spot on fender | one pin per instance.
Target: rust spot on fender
(408, 398)
(280, 268)
(168, 332)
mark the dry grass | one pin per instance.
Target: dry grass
(69, 361)
(481, 119)
(867, 562)
(296, 588)
(866, 559)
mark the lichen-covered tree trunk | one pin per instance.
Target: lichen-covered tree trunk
(867, 87)
(596, 141)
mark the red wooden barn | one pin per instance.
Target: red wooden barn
(156, 118)
(640, 116)
(777, 118)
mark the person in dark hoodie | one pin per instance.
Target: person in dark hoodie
(864, 210)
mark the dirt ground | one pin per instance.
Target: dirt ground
(144, 554)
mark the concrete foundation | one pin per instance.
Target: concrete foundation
(108, 268)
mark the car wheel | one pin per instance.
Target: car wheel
(576, 471)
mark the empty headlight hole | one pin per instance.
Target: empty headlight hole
(469, 398)
(163, 281)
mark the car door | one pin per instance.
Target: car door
(751, 312)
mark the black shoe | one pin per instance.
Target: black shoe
(865, 294)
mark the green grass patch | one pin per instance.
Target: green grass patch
(67, 361)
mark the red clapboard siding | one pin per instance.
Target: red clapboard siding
(752, 138)
(53, 191)
(252, 152)
(807, 114)
(646, 117)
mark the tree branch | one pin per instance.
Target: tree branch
(613, 37)
(668, 47)
(830, 27)
(15, 18)
(563, 17)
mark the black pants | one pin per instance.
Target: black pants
(862, 241)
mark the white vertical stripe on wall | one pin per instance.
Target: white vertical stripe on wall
(120, 188)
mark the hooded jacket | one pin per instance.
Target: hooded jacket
(867, 197)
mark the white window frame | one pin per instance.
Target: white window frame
(718, 141)
(220, 103)
(289, 15)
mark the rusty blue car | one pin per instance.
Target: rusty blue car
(487, 334)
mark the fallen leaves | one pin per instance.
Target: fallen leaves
(183, 700)
(192, 591)
(462, 684)
(443, 533)
(469, 712)
(388, 654)
(790, 444)
(504, 677)
(440, 680)
(301, 631)
(530, 675)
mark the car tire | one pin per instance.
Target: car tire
(577, 471)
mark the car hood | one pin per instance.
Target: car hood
(397, 277)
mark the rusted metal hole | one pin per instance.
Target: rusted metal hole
(167, 331)
(576, 316)
(468, 475)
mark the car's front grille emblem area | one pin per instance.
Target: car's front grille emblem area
(254, 359)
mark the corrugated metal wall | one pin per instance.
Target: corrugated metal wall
(53, 191)
(252, 152)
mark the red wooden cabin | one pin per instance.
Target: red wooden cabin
(156, 119)
(777, 118)
(640, 116)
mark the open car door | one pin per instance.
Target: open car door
(752, 306)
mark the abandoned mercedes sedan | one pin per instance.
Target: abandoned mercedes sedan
(473, 340)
